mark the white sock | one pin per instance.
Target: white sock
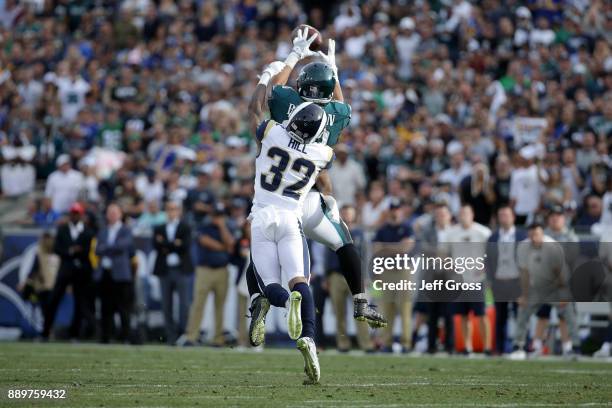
(605, 347)
(537, 344)
(360, 296)
(568, 346)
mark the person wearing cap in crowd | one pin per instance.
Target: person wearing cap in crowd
(558, 230)
(200, 198)
(406, 43)
(543, 280)
(216, 244)
(395, 237)
(72, 245)
(64, 184)
(173, 266)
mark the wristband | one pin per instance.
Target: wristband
(292, 59)
(265, 78)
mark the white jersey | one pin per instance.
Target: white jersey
(285, 170)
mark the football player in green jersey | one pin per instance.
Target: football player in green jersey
(317, 82)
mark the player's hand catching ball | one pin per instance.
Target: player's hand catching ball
(301, 47)
(330, 57)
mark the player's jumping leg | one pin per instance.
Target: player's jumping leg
(322, 223)
(295, 259)
(259, 308)
(305, 342)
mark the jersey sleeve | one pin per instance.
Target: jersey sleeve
(282, 100)
(263, 129)
(341, 114)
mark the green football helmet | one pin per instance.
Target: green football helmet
(316, 83)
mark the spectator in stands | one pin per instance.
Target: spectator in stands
(467, 239)
(200, 198)
(500, 181)
(605, 254)
(216, 243)
(558, 230)
(543, 280)
(591, 214)
(43, 215)
(525, 186)
(339, 291)
(458, 170)
(173, 267)
(395, 237)
(474, 190)
(63, 185)
(115, 274)
(72, 245)
(17, 174)
(347, 176)
(436, 306)
(376, 206)
(152, 217)
(503, 273)
(38, 285)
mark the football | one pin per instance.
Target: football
(316, 45)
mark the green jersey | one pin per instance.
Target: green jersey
(284, 100)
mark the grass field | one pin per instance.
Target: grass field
(156, 376)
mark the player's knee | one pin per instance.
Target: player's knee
(297, 280)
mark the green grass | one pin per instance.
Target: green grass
(156, 376)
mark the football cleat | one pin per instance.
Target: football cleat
(307, 347)
(257, 329)
(603, 352)
(294, 317)
(364, 312)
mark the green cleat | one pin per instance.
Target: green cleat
(294, 317)
(257, 329)
(307, 347)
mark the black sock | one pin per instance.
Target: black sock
(609, 333)
(307, 310)
(276, 294)
(252, 280)
(350, 267)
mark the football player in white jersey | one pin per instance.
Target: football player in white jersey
(321, 220)
(286, 168)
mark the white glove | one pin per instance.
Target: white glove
(271, 70)
(330, 57)
(332, 207)
(301, 47)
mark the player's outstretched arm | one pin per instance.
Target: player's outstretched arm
(330, 58)
(256, 110)
(257, 105)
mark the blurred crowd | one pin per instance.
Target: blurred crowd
(141, 103)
